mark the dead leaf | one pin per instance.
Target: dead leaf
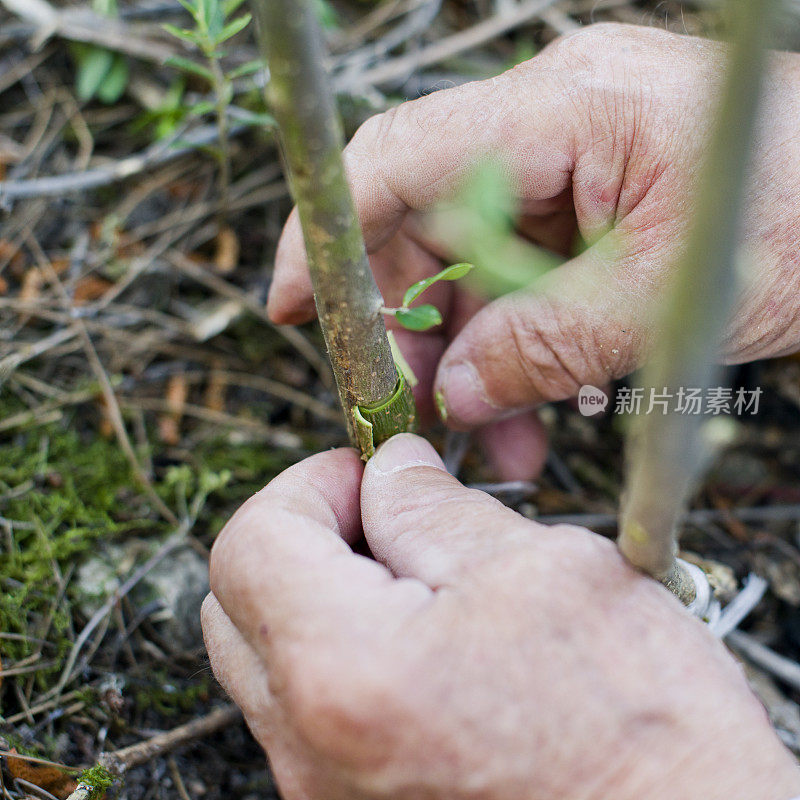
(49, 777)
(13, 255)
(169, 424)
(226, 256)
(215, 391)
(32, 283)
(90, 288)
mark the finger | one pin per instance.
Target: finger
(238, 668)
(291, 297)
(242, 673)
(516, 447)
(421, 522)
(422, 352)
(414, 155)
(284, 574)
(587, 322)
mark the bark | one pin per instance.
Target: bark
(347, 298)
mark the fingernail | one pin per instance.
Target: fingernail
(464, 395)
(403, 451)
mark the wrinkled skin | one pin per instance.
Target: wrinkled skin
(605, 131)
(481, 655)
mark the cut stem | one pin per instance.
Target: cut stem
(665, 453)
(347, 298)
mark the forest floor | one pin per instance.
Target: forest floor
(144, 394)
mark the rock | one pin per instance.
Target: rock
(178, 584)
(181, 582)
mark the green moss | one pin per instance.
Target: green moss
(165, 696)
(59, 493)
(65, 490)
(98, 779)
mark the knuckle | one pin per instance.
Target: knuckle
(376, 134)
(547, 353)
(588, 43)
(584, 45)
(234, 544)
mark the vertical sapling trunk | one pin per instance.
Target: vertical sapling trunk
(376, 400)
(666, 452)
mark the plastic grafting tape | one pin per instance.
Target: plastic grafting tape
(704, 605)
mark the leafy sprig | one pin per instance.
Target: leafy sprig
(424, 317)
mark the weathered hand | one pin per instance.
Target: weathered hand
(605, 130)
(480, 656)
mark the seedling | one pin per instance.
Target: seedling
(665, 453)
(213, 27)
(422, 318)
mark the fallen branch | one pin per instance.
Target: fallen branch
(160, 153)
(120, 761)
(449, 46)
(115, 764)
(784, 669)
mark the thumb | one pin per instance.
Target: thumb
(587, 322)
(421, 522)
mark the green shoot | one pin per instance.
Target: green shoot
(479, 225)
(213, 26)
(422, 318)
(166, 118)
(100, 72)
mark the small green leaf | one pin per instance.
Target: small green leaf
(326, 14)
(420, 318)
(107, 8)
(203, 107)
(183, 33)
(116, 81)
(168, 125)
(92, 70)
(256, 120)
(190, 7)
(187, 65)
(232, 28)
(452, 273)
(246, 69)
(209, 17)
(229, 6)
(455, 271)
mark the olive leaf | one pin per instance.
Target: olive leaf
(452, 273)
(420, 318)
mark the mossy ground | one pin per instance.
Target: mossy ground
(65, 491)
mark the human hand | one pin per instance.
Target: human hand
(480, 656)
(604, 132)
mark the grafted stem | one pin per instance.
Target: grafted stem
(666, 452)
(347, 298)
